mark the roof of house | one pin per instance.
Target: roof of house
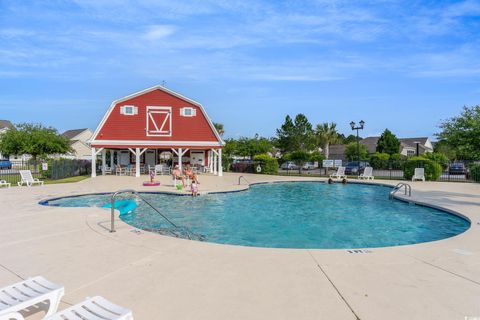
(335, 149)
(69, 134)
(6, 124)
(371, 143)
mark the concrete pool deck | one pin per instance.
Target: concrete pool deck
(160, 277)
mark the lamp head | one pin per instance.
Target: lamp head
(352, 124)
(362, 124)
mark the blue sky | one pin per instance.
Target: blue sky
(402, 65)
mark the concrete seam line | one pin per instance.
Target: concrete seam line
(334, 286)
(445, 270)
(11, 271)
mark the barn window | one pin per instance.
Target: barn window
(188, 112)
(128, 110)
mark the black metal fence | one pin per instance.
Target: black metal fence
(50, 169)
(454, 171)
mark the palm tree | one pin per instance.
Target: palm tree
(219, 127)
(326, 134)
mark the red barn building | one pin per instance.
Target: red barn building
(141, 128)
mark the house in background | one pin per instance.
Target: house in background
(79, 143)
(408, 147)
(5, 125)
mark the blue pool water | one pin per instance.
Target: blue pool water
(293, 215)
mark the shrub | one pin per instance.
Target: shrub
(379, 160)
(475, 172)
(351, 151)
(268, 163)
(438, 157)
(433, 170)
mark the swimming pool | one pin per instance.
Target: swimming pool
(292, 215)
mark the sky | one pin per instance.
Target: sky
(402, 65)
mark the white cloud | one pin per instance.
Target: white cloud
(157, 32)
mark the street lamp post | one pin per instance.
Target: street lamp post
(360, 127)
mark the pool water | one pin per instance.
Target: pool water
(293, 215)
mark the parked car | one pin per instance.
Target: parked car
(356, 167)
(289, 165)
(308, 166)
(457, 168)
(5, 164)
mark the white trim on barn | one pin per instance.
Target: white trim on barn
(157, 143)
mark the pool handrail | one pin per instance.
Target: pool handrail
(400, 185)
(239, 178)
(112, 212)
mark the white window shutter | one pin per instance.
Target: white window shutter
(122, 110)
(194, 112)
(135, 110)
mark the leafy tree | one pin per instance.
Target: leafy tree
(247, 147)
(462, 133)
(388, 143)
(351, 151)
(296, 135)
(316, 156)
(439, 158)
(219, 127)
(326, 134)
(33, 139)
(299, 157)
(442, 146)
(348, 139)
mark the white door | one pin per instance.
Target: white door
(150, 157)
(197, 158)
(124, 158)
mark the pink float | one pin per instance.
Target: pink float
(151, 183)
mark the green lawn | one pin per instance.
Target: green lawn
(67, 180)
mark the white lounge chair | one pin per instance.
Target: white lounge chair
(28, 293)
(419, 174)
(339, 174)
(367, 174)
(4, 183)
(96, 308)
(28, 179)
(107, 170)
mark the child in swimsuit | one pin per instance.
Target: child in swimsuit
(194, 188)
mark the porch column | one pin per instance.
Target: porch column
(220, 167)
(94, 158)
(210, 161)
(104, 161)
(137, 162)
(180, 159)
(112, 154)
(214, 161)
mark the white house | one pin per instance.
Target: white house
(5, 125)
(78, 142)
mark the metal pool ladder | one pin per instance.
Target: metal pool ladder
(112, 212)
(400, 185)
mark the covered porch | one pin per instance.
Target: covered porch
(138, 160)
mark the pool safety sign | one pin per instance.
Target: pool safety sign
(45, 166)
(331, 163)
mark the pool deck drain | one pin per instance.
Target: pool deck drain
(160, 277)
